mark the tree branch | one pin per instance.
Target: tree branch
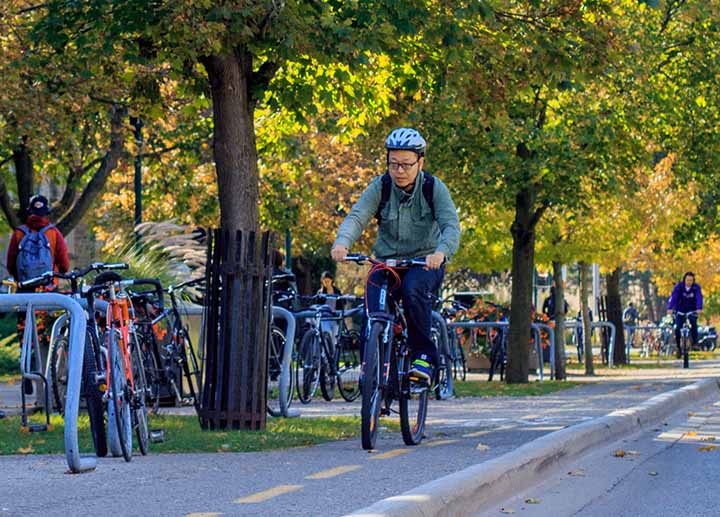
(11, 215)
(107, 164)
(673, 7)
(538, 214)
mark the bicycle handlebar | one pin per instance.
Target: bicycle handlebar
(172, 288)
(149, 281)
(360, 259)
(71, 275)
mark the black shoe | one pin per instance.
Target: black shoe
(421, 370)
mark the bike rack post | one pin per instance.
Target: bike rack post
(51, 301)
(551, 336)
(504, 324)
(287, 316)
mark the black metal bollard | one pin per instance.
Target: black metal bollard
(237, 322)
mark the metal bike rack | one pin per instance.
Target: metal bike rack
(595, 325)
(287, 316)
(551, 337)
(504, 324)
(52, 301)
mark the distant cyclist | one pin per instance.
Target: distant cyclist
(416, 218)
(686, 297)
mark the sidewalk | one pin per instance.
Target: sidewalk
(330, 479)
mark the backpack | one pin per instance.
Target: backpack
(427, 190)
(34, 255)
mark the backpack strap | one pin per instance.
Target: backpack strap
(23, 228)
(46, 228)
(427, 190)
(384, 196)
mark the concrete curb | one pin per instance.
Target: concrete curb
(467, 492)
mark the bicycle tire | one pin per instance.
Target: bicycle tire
(347, 366)
(139, 409)
(310, 367)
(370, 382)
(413, 407)
(495, 359)
(119, 403)
(94, 399)
(686, 352)
(191, 367)
(327, 372)
(443, 372)
(459, 362)
(285, 385)
(59, 371)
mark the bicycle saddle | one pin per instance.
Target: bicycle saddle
(106, 277)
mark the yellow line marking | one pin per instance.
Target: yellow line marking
(440, 442)
(331, 473)
(477, 433)
(390, 454)
(268, 494)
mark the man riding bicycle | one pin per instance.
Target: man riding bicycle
(416, 218)
(686, 297)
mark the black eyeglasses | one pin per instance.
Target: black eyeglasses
(396, 166)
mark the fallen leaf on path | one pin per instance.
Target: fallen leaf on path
(619, 453)
(690, 413)
(578, 472)
(691, 433)
(708, 448)
(482, 447)
(708, 439)
(507, 510)
(26, 450)
(652, 473)
(632, 453)
(532, 500)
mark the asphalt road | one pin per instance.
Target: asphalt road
(329, 479)
(670, 470)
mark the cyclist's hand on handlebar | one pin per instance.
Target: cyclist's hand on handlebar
(338, 252)
(435, 260)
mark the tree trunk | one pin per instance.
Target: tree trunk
(24, 177)
(559, 317)
(614, 314)
(647, 294)
(234, 149)
(660, 302)
(585, 282)
(523, 262)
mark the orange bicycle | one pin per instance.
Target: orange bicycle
(126, 384)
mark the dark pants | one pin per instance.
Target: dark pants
(415, 290)
(680, 321)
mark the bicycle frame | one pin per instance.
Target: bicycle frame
(119, 318)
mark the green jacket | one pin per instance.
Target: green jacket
(407, 230)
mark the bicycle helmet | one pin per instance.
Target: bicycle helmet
(405, 139)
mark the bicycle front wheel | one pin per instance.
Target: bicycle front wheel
(94, 398)
(139, 409)
(347, 365)
(310, 361)
(686, 352)
(327, 371)
(413, 407)
(459, 365)
(119, 405)
(59, 371)
(370, 386)
(280, 388)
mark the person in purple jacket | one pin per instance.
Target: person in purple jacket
(686, 297)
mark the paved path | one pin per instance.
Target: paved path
(329, 479)
(670, 470)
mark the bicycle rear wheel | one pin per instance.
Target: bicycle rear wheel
(59, 371)
(459, 364)
(139, 409)
(347, 365)
(327, 372)
(191, 367)
(280, 389)
(119, 405)
(94, 398)
(307, 384)
(371, 392)
(413, 407)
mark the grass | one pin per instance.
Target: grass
(499, 388)
(183, 434)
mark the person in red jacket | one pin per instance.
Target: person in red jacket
(37, 219)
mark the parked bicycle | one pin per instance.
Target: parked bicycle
(685, 336)
(451, 310)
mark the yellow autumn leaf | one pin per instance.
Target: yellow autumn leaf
(619, 453)
(507, 510)
(708, 448)
(532, 500)
(482, 447)
(26, 450)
